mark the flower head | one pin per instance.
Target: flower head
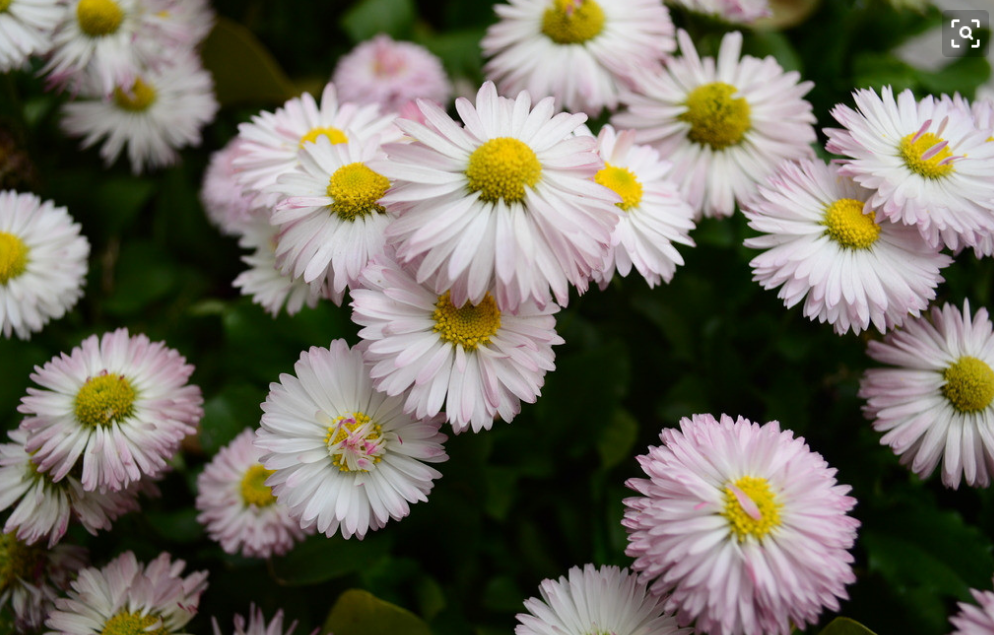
(31, 577)
(227, 206)
(26, 28)
(975, 620)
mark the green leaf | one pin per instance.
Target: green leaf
(228, 413)
(501, 482)
(617, 438)
(358, 612)
(176, 526)
(144, 273)
(320, 558)
(369, 17)
(121, 199)
(962, 76)
(243, 70)
(845, 626)
(875, 70)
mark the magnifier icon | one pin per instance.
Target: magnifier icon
(966, 32)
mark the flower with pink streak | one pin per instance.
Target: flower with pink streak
(31, 577)
(118, 404)
(256, 624)
(975, 620)
(238, 508)
(741, 527)
(391, 74)
(743, 11)
(227, 207)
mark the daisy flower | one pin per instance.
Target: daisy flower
(129, 597)
(120, 404)
(227, 207)
(329, 216)
(741, 527)
(725, 124)
(975, 620)
(823, 242)
(928, 165)
(257, 624)
(345, 456)
(579, 51)
(181, 23)
(505, 204)
(391, 74)
(935, 403)
(159, 111)
(42, 263)
(26, 28)
(473, 361)
(238, 508)
(596, 600)
(728, 10)
(655, 215)
(31, 577)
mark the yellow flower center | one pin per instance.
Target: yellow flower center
(13, 257)
(355, 443)
(105, 399)
(572, 21)
(4, 5)
(623, 182)
(469, 325)
(125, 623)
(354, 190)
(99, 17)
(335, 136)
(751, 508)
(847, 225)
(715, 117)
(254, 488)
(912, 151)
(501, 168)
(969, 384)
(19, 560)
(138, 99)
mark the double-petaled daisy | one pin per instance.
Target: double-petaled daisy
(42, 263)
(256, 624)
(975, 620)
(474, 362)
(927, 162)
(129, 597)
(238, 508)
(579, 51)
(725, 124)
(741, 527)
(935, 404)
(506, 204)
(227, 206)
(655, 214)
(31, 577)
(26, 28)
(118, 404)
(824, 245)
(345, 457)
(596, 600)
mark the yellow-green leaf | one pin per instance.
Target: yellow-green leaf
(359, 612)
(244, 71)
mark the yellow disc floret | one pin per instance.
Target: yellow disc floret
(501, 168)
(4, 5)
(469, 325)
(98, 18)
(335, 136)
(969, 384)
(138, 99)
(127, 623)
(751, 508)
(716, 118)
(355, 443)
(104, 400)
(354, 190)
(912, 151)
(13, 257)
(572, 21)
(846, 224)
(254, 488)
(624, 182)
(19, 560)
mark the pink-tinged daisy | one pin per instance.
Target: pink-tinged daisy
(31, 577)
(119, 404)
(238, 508)
(505, 204)
(42, 263)
(474, 362)
(935, 404)
(256, 624)
(227, 206)
(725, 124)
(161, 110)
(391, 74)
(737, 11)
(741, 527)
(129, 597)
(596, 600)
(928, 165)
(26, 28)
(345, 456)
(655, 214)
(824, 245)
(329, 216)
(180, 23)
(579, 51)
(975, 620)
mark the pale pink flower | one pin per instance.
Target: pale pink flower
(227, 207)
(256, 624)
(729, 10)
(975, 620)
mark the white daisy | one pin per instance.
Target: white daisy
(927, 162)
(937, 402)
(118, 404)
(725, 124)
(26, 28)
(581, 52)
(42, 263)
(345, 456)
(506, 204)
(161, 110)
(822, 242)
(31, 577)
